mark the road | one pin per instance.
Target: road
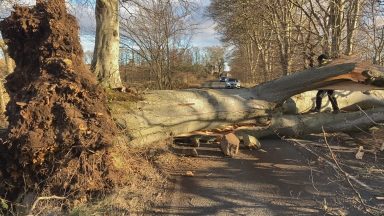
(274, 181)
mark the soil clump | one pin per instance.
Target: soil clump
(60, 134)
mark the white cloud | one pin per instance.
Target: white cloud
(206, 35)
(85, 15)
(88, 42)
(6, 6)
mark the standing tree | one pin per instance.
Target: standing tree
(105, 62)
(337, 24)
(241, 24)
(279, 17)
(374, 30)
(352, 21)
(215, 64)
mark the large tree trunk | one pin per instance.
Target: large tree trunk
(105, 62)
(298, 125)
(347, 100)
(163, 114)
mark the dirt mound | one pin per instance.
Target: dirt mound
(60, 131)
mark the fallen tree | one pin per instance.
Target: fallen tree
(61, 133)
(298, 125)
(347, 101)
(164, 114)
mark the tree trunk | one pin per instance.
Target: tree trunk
(352, 18)
(164, 114)
(298, 125)
(347, 100)
(105, 62)
(337, 26)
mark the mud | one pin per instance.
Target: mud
(60, 132)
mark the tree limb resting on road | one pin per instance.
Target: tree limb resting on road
(164, 114)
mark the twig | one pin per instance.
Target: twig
(43, 198)
(336, 167)
(366, 114)
(313, 183)
(361, 130)
(341, 149)
(347, 176)
(332, 164)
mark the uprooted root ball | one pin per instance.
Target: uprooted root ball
(60, 131)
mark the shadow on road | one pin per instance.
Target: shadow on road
(276, 181)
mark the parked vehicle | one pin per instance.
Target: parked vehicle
(223, 79)
(232, 83)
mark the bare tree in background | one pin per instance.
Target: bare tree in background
(155, 30)
(241, 25)
(263, 32)
(274, 38)
(279, 17)
(215, 57)
(374, 30)
(352, 16)
(337, 24)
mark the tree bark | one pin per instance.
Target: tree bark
(347, 100)
(298, 125)
(105, 62)
(352, 19)
(164, 114)
(336, 17)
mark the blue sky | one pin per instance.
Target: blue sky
(204, 36)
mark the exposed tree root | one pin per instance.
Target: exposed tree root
(60, 135)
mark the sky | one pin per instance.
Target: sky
(203, 36)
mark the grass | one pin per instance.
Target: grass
(145, 185)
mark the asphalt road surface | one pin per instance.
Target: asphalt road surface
(277, 180)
